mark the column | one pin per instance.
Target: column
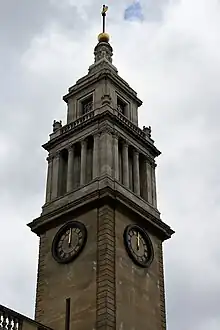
(109, 155)
(125, 164)
(55, 175)
(95, 160)
(106, 158)
(115, 157)
(102, 149)
(149, 182)
(83, 162)
(136, 172)
(70, 168)
(49, 178)
(154, 190)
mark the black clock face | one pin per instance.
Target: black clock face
(69, 241)
(138, 245)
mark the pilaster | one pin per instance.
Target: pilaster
(83, 162)
(149, 182)
(125, 175)
(106, 157)
(70, 168)
(49, 178)
(136, 172)
(154, 187)
(95, 161)
(116, 157)
(55, 175)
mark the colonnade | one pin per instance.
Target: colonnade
(110, 155)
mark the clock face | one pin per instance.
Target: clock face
(69, 241)
(138, 245)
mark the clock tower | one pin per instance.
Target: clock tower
(100, 253)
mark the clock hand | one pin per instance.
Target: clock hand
(138, 241)
(70, 236)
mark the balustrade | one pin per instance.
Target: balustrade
(11, 320)
(77, 122)
(128, 123)
(143, 133)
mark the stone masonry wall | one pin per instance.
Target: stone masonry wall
(76, 280)
(107, 290)
(138, 291)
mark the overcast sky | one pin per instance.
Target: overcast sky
(172, 59)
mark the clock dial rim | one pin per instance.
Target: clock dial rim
(57, 237)
(147, 240)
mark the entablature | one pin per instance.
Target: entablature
(117, 122)
(99, 191)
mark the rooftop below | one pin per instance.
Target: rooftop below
(11, 320)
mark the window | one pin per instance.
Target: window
(121, 106)
(87, 104)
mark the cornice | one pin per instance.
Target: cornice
(108, 194)
(112, 120)
(92, 78)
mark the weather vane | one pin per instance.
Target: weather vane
(104, 10)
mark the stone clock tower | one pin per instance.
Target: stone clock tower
(100, 255)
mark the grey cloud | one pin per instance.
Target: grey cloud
(154, 10)
(21, 20)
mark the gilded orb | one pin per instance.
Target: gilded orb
(103, 37)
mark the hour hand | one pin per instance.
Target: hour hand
(70, 237)
(138, 241)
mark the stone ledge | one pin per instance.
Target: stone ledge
(113, 118)
(90, 196)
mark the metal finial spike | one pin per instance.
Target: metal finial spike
(104, 10)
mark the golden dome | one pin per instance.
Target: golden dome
(103, 37)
